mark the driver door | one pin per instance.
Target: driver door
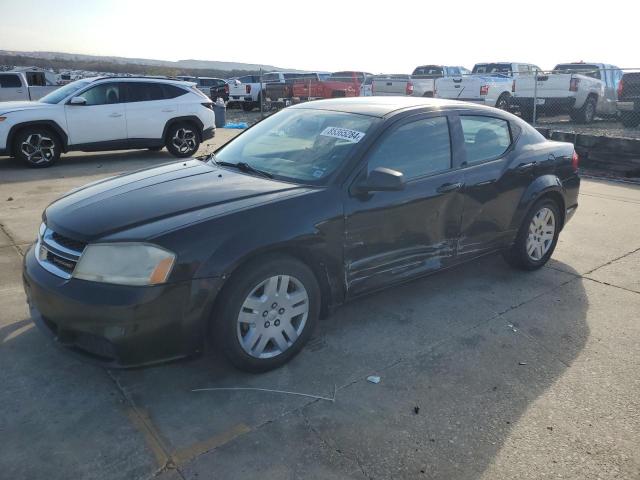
(394, 235)
(101, 118)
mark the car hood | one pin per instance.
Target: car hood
(146, 196)
(7, 107)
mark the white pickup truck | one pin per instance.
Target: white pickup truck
(489, 83)
(23, 86)
(421, 83)
(246, 92)
(582, 90)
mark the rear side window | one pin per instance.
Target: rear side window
(485, 138)
(416, 149)
(171, 91)
(10, 81)
(144, 92)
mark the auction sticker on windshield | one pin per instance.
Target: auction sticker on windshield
(352, 136)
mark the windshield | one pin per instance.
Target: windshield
(63, 92)
(494, 68)
(588, 70)
(428, 71)
(299, 145)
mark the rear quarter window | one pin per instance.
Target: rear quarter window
(485, 138)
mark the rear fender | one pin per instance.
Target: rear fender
(541, 186)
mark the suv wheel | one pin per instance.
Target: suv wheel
(37, 146)
(182, 140)
(269, 311)
(537, 237)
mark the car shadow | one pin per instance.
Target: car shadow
(461, 356)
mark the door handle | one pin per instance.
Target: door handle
(115, 115)
(526, 167)
(449, 187)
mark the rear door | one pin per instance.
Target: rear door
(395, 235)
(149, 106)
(101, 118)
(11, 88)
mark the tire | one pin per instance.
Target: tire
(587, 112)
(182, 139)
(248, 106)
(428, 94)
(532, 233)
(155, 149)
(503, 102)
(265, 339)
(630, 119)
(38, 147)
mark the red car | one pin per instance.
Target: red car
(339, 84)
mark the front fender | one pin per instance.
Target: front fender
(543, 185)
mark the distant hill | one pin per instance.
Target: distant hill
(140, 66)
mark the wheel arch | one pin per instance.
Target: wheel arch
(49, 124)
(545, 186)
(193, 119)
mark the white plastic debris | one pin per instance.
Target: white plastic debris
(373, 379)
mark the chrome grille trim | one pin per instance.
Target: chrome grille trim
(47, 245)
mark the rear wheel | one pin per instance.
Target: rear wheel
(182, 140)
(587, 112)
(537, 237)
(503, 101)
(630, 119)
(267, 314)
(38, 147)
(248, 106)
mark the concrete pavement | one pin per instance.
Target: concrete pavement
(487, 372)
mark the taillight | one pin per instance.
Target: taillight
(573, 84)
(372, 83)
(575, 160)
(484, 90)
(226, 88)
(409, 89)
(513, 86)
(247, 88)
(620, 88)
(207, 105)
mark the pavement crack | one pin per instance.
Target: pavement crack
(13, 241)
(611, 261)
(327, 443)
(611, 285)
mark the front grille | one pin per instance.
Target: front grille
(68, 242)
(58, 254)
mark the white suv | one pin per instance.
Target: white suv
(111, 113)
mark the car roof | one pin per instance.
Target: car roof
(183, 83)
(383, 106)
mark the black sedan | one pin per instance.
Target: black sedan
(315, 205)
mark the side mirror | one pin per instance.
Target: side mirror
(382, 180)
(78, 101)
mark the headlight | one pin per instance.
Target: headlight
(125, 264)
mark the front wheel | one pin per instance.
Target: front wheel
(38, 147)
(587, 112)
(537, 237)
(268, 313)
(182, 140)
(503, 102)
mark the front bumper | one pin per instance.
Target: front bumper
(117, 325)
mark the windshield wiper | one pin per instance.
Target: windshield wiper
(244, 167)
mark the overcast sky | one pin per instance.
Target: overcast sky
(375, 36)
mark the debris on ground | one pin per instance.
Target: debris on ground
(522, 363)
(416, 410)
(255, 389)
(373, 379)
(510, 325)
(10, 199)
(238, 125)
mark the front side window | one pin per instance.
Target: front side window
(485, 138)
(61, 93)
(415, 149)
(103, 94)
(301, 145)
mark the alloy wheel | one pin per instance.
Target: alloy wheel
(542, 230)
(184, 140)
(273, 316)
(38, 148)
